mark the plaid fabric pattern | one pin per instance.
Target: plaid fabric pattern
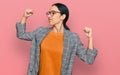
(72, 46)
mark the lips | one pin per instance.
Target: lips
(50, 19)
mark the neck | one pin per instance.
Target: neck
(59, 28)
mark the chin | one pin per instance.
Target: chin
(51, 23)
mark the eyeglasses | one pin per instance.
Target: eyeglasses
(52, 12)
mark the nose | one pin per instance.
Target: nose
(48, 17)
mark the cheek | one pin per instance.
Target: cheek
(56, 19)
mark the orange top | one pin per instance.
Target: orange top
(51, 54)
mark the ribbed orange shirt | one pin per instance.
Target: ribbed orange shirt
(51, 54)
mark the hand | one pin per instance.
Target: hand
(88, 32)
(28, 13)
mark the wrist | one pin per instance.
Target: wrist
(24, 17)
(23, 20)
(90, 37)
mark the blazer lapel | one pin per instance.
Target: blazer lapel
(40, 37)
(66, 49)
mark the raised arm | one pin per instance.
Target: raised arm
(21, 27)
(87, 55)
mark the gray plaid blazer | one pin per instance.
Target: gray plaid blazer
(72, 46)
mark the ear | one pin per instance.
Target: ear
(63, 16)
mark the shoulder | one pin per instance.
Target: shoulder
(74, 36)
(41, 28)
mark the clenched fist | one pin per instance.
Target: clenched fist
(88, 32)
(28, 13)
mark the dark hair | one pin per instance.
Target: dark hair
(63, 10)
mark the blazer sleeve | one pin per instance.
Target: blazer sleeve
(87, 55)
(22, 34)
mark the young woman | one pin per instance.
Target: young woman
(54, 48)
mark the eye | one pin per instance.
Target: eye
(53, 12)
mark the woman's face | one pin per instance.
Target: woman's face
(54, 16)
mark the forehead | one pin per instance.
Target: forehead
(54, 8)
